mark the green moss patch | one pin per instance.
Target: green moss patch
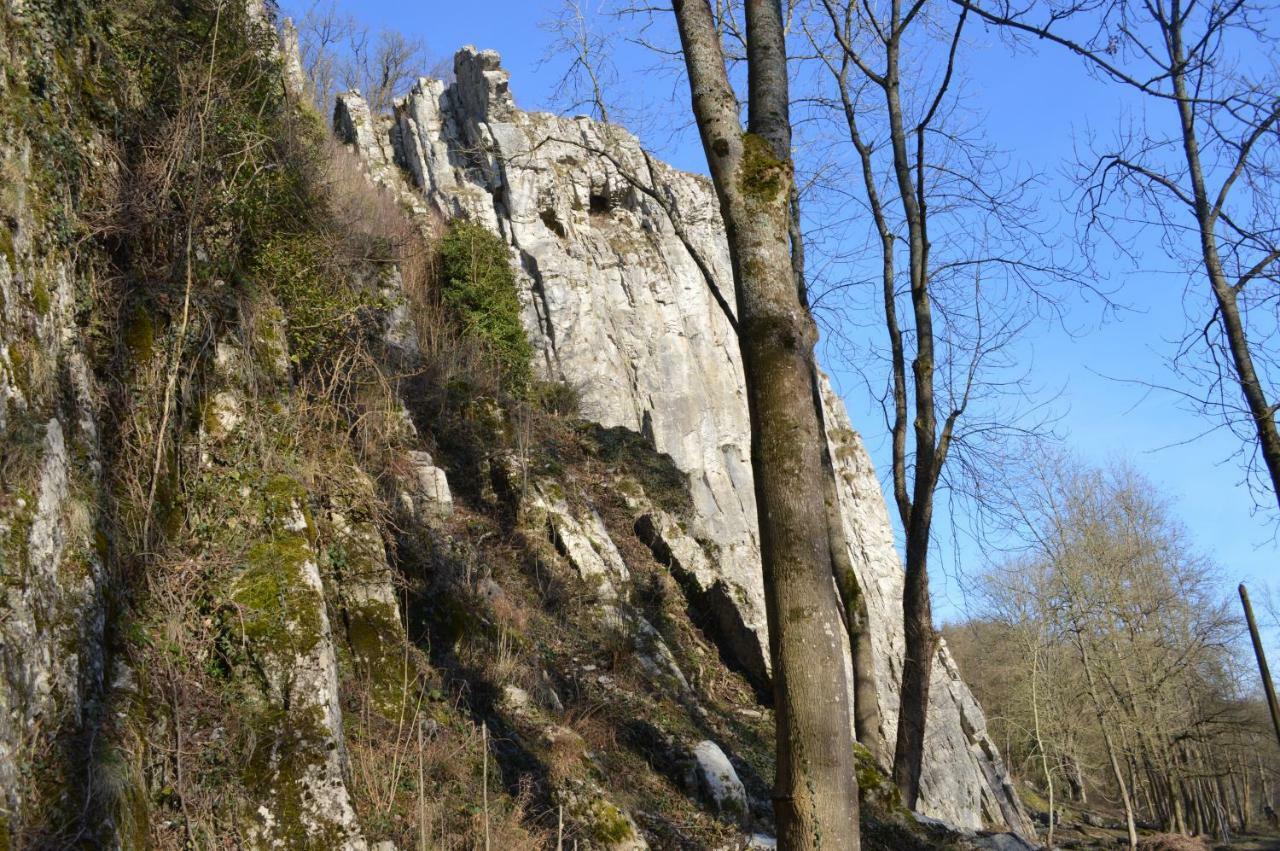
(289, 745)
(277, 609)
(762, 176)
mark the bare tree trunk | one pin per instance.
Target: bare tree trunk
(815, 789)
(1175, 783)
(1186, 785)
(1140, 787)
(1268, 685)
(1044, 757)
(866, 705)
(1109, 742)
(1266, 788)
(1204, 812)
(867, 716)
(1244, 795)
(1075, 777)
(917, 608)
(1235, 797)
(916, 468)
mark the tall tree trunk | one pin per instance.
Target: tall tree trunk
(1265, 786)
(815, 789)
(917, 610)
(867, 715)
(866, 698)
(1225, 294)
(1244, 795)
(1229, 791)
(917, 670)
(1186, 784)
(1264, 672)
(915, 478)
(1109, 742)
(1044, 756)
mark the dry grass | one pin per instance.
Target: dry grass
(1172, 842)
(402, 240)
(419, 781)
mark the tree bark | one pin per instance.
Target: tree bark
(1225, 294)
(1109, 743)
(1075, 779)
(1268, 685)
(815, 789)
(857, 621)
(1044, 756)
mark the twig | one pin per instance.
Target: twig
(484, 733)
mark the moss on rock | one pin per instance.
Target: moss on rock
(276, 607)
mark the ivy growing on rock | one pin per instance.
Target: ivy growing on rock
(478, 288)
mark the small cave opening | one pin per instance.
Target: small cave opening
(601, 204)
(552, 222)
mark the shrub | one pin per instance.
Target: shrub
(478, 288)
(324, 309)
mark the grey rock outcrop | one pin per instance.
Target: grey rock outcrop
(625, 280)
(718, 780)
(429, 494)
(582, 539)
(290, 636)
(52, 576)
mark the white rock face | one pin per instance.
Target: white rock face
(430, 495)
(581, 537)
(624, 269)
(613, 297)
(718, 779)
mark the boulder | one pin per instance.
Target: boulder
(717, 780)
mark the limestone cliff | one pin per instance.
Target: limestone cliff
(285, 563)
(625, 282)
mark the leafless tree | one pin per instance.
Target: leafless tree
(1131, 619)
(1200, 167)
(339, 53)
(815, 788)
(961, 270)
(384, 66)
(577, 35)
(323, 34)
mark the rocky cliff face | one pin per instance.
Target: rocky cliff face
(625, 284)
(51, 561)
(280, 569)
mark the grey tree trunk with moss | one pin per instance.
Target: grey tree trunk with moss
(815, 790)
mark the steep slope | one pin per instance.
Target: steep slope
(625, 280)
(239, 605)
(292, 556)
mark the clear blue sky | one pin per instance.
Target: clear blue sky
(1034, 107)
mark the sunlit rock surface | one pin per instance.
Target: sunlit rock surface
(626, 284)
